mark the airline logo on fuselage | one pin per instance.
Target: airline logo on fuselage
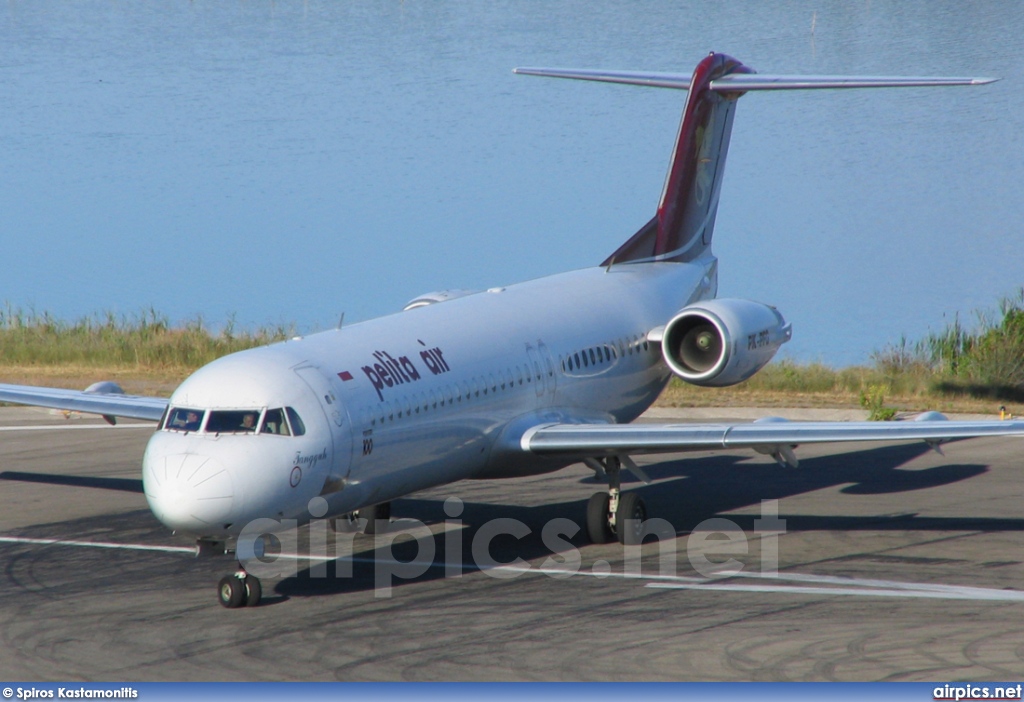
(388, 371)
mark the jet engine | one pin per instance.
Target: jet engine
(723, 342)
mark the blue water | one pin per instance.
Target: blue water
(290, 161)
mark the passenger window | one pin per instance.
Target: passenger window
(184, 419)
(298, 428)
(274, 423)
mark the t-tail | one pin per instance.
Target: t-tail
(685, 221)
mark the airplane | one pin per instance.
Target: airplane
(505, 382)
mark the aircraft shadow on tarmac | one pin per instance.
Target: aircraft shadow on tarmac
(122, 484)
(685, 492)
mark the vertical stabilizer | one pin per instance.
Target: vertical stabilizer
(685, 221)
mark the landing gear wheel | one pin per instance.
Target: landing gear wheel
(629, 518)
(253, 590)
(598, 529)
(231, 592)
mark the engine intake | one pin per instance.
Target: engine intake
(723, 342)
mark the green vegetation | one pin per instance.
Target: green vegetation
(145, 341)
(873, 400)
(986, 362)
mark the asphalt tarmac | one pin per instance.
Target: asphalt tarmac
(893, 563)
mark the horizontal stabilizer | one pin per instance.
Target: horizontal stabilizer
(680, 81)
(743, 82)
(737, 82)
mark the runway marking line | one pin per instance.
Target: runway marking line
(907, 590)
(96, 544)
(816, 584)
(65, 427)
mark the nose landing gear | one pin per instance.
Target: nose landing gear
(615, 514)
(239, 590)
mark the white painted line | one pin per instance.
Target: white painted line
(97, 544)
(869, 583)
(509, 567)
(64, 427)
(966, 594)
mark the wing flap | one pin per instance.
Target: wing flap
(108, 404)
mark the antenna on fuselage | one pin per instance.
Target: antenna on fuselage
(341, 321)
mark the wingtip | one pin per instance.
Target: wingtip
(983, 81)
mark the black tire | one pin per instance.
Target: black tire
(598, 529)
(231, 592)
(629, 518)
(253, 591)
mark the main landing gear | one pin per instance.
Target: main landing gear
(365, 520)
(615, 514)
(239, 590)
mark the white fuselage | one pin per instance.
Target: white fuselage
(419, 398)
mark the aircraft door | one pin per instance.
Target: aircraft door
(337, 418)
(543, 367)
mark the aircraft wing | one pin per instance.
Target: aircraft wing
(102, 398)
(772, 436)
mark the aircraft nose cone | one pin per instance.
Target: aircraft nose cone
(189, 493)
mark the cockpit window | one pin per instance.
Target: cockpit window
(274, 423)
(298, 428)
(232, 421)
(184, 419)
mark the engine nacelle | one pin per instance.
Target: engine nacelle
(723, 342)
